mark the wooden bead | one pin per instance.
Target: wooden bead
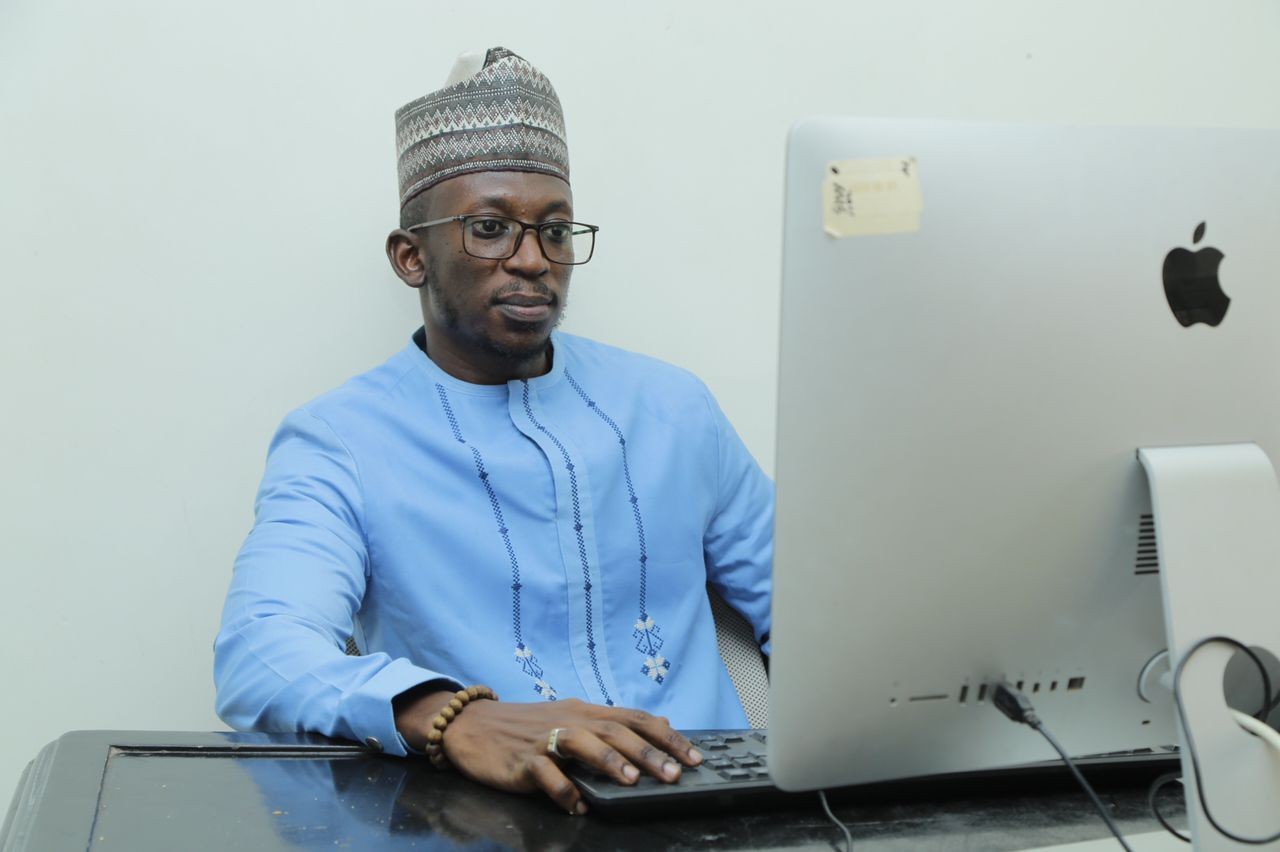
(440, 723)
(434, 736)
(473, 692)
(456, 705)
(447, 713)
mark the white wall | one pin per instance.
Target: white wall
(194, 195)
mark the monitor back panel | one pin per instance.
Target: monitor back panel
(959, 408)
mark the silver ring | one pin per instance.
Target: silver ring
(551, 742)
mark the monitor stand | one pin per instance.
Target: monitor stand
(1217, 518)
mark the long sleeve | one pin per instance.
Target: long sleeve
(279, 660)
(738, 546)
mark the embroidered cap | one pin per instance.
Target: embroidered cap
(495, 113)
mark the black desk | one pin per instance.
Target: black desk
(138, 791)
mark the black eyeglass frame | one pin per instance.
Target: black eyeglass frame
(524, 226)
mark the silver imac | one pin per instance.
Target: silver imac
(981, 324)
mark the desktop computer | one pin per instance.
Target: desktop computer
(982, 325)
(1028, 403)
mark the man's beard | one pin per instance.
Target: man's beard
(504, 352)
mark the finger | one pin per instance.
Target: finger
(640, 751)
(658, 730)
(585, 746)
(552, 781)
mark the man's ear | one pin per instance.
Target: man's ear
(404, 252)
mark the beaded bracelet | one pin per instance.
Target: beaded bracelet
(435, 737)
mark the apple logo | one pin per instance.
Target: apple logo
(1191, 284)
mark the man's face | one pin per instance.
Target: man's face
(483, 309)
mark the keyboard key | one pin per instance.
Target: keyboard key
(735, 774)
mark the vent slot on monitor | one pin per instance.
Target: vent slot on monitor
(1148, 558)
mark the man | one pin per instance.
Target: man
(498, 504)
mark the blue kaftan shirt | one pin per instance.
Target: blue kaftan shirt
(550, 538)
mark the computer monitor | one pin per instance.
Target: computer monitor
(977, 335)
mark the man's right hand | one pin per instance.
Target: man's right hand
(504, 745)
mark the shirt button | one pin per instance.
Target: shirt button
(373, 743)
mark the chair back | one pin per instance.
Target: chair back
(742, 657)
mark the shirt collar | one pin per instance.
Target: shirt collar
(416, 351)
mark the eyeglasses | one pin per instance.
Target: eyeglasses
(499, 237)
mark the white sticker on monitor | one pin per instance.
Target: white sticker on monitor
(877, 196)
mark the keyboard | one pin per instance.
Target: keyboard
(733, 767)
(734, 771)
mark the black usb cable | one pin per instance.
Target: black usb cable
(1015, 705)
